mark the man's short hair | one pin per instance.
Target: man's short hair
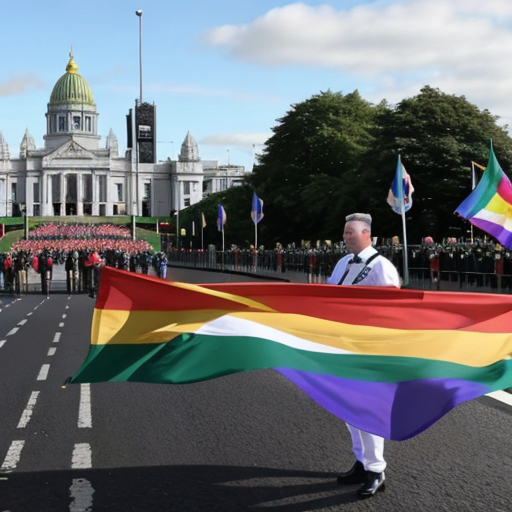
(363, 217)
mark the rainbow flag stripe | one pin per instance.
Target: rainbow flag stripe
(489, 206)
(388, 361)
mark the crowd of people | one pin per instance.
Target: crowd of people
(83, 250)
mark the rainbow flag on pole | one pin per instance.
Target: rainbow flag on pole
(489, 206)
(391, 362)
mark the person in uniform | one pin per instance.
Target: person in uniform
(364, 266)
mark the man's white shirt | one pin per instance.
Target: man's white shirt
(382, 271)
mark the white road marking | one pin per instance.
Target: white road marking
(51, 351)
(61, 324)
(27, 413)
(84, 410)
(28, 314)
(12, 331)
(64, 316)
(43, 373)
(81, 456)
(2, 343)
(22, 322)
(56, 338)
(81, 492)
(13, 457)
(501, 396)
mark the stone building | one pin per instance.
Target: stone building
(72, 175)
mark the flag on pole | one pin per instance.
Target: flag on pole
(221, 218)
(489, 206)
(203, 220)
(401, 190)
(411, 373)
(257, 209)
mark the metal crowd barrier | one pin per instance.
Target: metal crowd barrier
(317, 266)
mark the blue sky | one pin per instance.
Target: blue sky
(226, 70)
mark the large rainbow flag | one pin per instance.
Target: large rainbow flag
(391, 362)
(489, 206)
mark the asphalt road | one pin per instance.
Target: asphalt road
(245, 442)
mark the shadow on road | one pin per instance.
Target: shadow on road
(177, 488)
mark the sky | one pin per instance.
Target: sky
(227, 70)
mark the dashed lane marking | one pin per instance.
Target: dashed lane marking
(84, 410)
(43, 373)
(81, 492)
(56, 338)
(14, 330)
(13, 457)
(27, 413)
(51, 351)
(82, 457)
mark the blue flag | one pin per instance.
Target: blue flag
(401, 190)
(257, 209)
(221, 218)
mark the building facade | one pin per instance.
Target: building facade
(72, 175)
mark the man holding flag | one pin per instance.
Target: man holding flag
(364, 266)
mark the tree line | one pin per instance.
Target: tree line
(336, 153)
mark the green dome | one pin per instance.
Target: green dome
(71, 88)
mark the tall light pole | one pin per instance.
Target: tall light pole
(139, 14)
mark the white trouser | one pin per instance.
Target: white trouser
(368, 449)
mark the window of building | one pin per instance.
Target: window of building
(35, 190)
(88, 124)
(14, 187)
(119, 187)
(62, 123)
(103, 188)
(37, 210)
(147, 191)
(76, 123)
(87, 188)
(186, 188)
(53, 124)
(144, 132)
(186, 201)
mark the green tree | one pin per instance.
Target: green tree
(305, 171)
(437, 136)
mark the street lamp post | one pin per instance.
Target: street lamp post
(139, 14)
(135, 212)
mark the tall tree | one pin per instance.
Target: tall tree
(305, 172)
(437, 135)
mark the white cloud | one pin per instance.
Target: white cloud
(370, 39)
(393, 47)
(236, 139)
(20, 83)
(208, 92)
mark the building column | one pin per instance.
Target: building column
(79, 194)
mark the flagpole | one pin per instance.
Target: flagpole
(202, 235)
(473, 185)
(255, 246)
(223, 248)
(404, 230)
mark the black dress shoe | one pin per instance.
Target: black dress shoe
(375, 482)
(355, 475)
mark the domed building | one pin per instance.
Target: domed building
(73, 176)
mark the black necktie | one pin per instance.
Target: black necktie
(355, 259)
